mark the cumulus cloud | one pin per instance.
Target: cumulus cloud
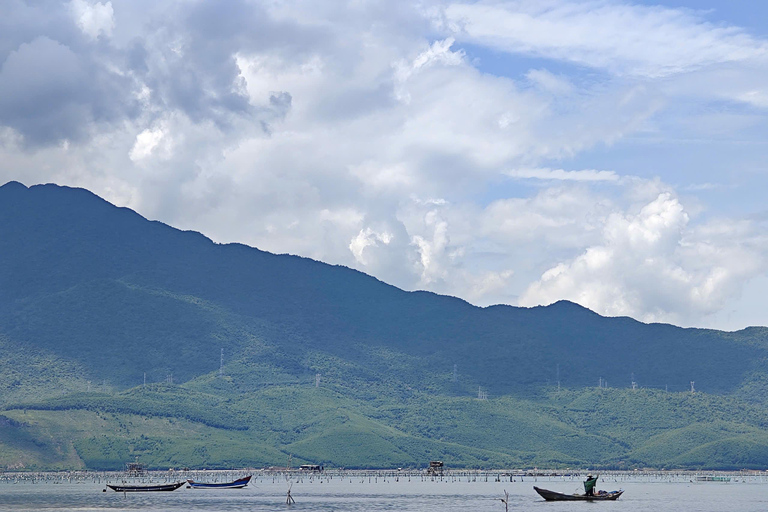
(650, 265)
(367, 237)
(146, 143)
(93, 19)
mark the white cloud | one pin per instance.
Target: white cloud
(653, 266)
(383, 176)
(367, 237)
(622, 38)
(489, 284)
(432, 250)
(146, 142)
(702, 186)
(567, 215)
(438, 53)
(549, 82)
(93, 19)
(560, 174)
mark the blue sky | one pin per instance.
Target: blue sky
(607, 152)
(740, 13)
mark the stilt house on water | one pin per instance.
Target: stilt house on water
(435, 467)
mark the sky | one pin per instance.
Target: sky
(612, 153)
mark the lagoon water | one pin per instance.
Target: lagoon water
(358, 494)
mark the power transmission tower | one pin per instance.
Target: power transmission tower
(221, 364)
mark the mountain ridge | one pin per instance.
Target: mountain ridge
(330, 300)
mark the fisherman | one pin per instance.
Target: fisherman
(589, 485)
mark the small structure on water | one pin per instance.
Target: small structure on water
(435, 467)
(311, 467)
(713, 479)
(135, 468)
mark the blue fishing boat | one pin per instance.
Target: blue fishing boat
(237, 484)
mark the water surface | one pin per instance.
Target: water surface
(357, 494)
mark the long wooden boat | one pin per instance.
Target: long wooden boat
(558, 496)
(237, 484)
(146, 488)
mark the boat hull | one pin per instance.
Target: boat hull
(145, 488)
(558, 496)
(237, 484)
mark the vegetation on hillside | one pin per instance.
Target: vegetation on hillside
(175, 426)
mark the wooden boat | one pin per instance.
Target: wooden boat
(146, 488)
(558, 496)
(237, 484)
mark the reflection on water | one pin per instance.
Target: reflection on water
(353, 494)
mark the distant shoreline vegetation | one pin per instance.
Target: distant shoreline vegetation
(515, 475)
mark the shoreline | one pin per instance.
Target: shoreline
(385, 475)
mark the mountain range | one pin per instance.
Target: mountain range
(122, 337)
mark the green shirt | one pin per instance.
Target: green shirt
(589, 484)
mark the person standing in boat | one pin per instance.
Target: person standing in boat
(589, 485)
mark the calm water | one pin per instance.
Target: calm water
(360, 494)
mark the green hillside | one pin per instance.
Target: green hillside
(96, 301)
(172, 426)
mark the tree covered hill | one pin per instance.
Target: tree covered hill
(95, 298)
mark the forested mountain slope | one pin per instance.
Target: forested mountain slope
(95, 301)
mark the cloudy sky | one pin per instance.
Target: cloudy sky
(609, 152)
